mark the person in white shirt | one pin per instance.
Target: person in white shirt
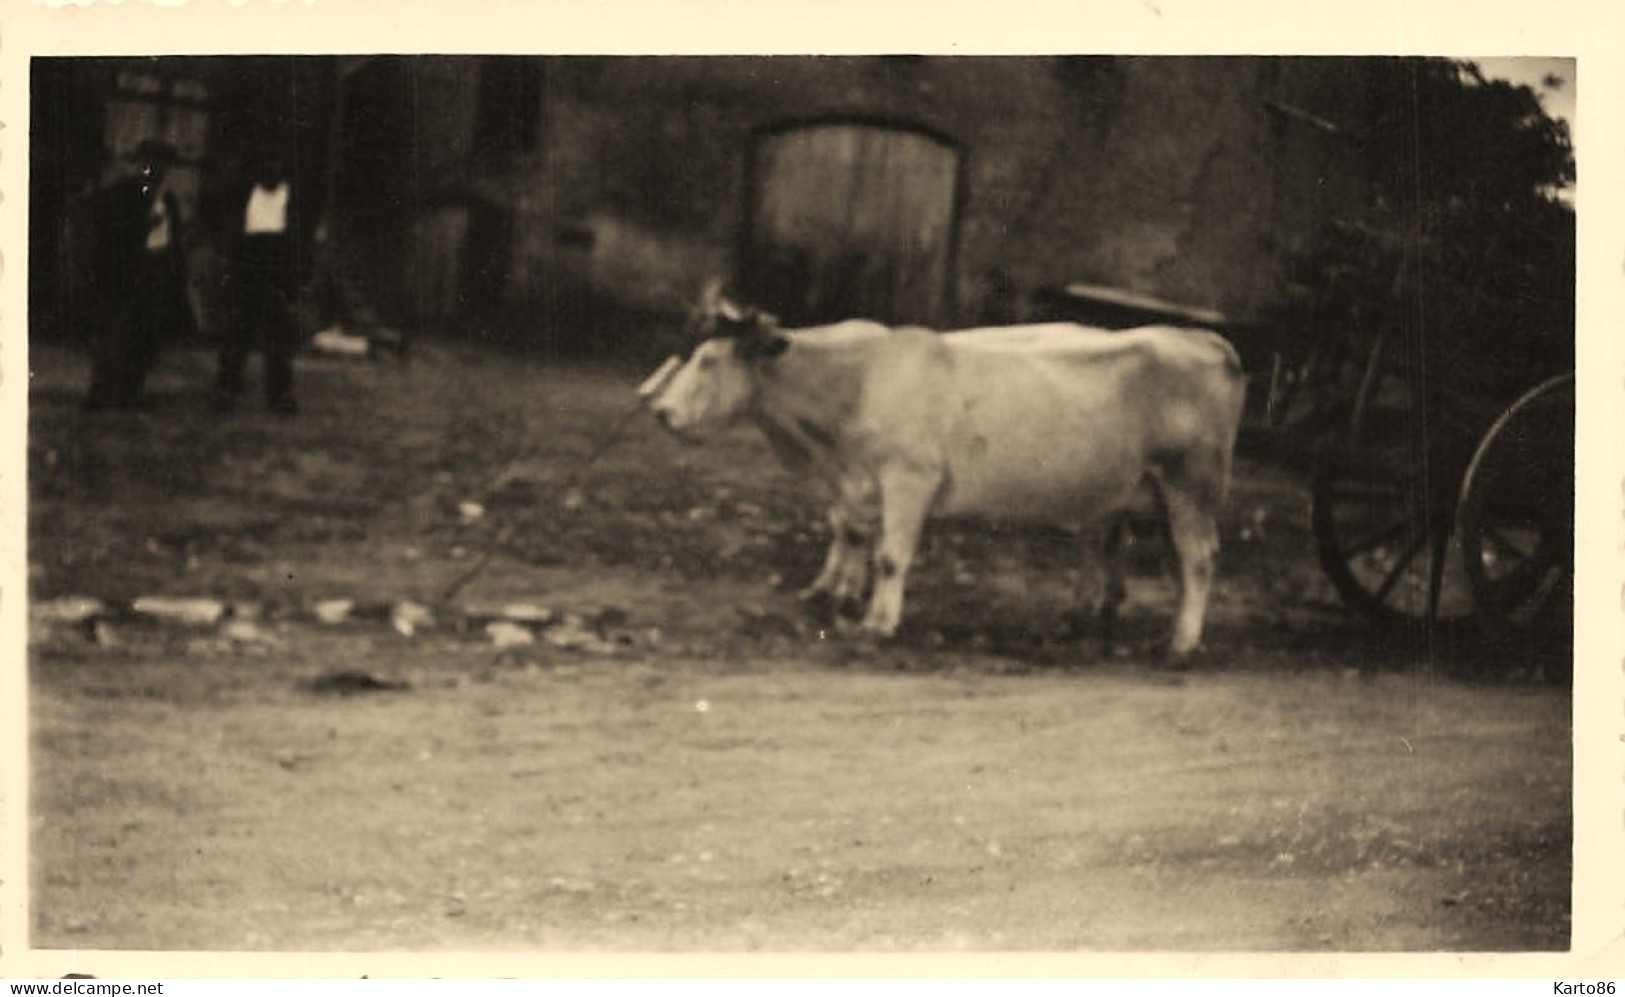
(265, 273)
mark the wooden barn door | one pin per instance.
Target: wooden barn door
(851, 220)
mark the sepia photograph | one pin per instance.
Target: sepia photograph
(763, 503)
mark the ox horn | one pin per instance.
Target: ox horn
(711, 295)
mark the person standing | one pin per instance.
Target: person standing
(138, 278)
(264, 272)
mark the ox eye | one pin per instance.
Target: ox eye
(706, 363)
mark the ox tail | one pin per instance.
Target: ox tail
(1233, 399)
(1238, 403)
(1232, 359)
(1233, 404)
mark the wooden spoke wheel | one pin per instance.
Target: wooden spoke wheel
(1516, 515)
(1382, 542)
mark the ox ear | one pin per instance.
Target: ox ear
(715, 305)
(730, 319)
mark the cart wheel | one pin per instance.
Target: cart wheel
(1516, 515)
(1382, 551)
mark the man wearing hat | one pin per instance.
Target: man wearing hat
(138, 278)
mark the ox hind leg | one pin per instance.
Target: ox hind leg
(1195, 536)
(1101, 588)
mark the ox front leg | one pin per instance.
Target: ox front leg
(906, 495)
(1196, 540)
(846, 563)
(834, 558)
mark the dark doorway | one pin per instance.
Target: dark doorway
(66, 165)
(373, 195)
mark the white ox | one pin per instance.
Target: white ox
(1057, 423)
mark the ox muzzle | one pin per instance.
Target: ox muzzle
(650, 391)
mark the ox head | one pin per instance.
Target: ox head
(716, 381)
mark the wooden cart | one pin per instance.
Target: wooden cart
(1441, 481)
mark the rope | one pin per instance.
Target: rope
(504, 535)
(693, 327)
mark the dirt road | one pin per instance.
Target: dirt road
(725, 779)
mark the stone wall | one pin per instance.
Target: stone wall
(1176, 177)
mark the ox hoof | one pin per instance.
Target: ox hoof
(865, 630)
(1177, 659)
(1172, 663)
(876, 631)
(848, 607)
(833, 608)
(814, 593)
(817, 603)
(1083, 624)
